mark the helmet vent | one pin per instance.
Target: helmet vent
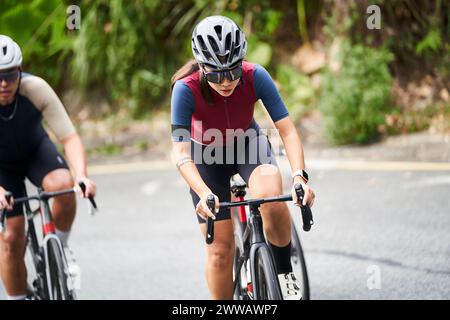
(228, 42)
(202, 43)
(218, 30)
(236, 51)
(213, 44)
(4, 50)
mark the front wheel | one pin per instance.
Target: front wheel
(265, 277)
(57, 279)
(298, 262)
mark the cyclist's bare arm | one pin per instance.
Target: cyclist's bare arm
(181, 153)
(294, 150)
(46, 100)
(74, 150)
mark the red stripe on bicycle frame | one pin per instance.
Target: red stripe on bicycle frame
(49, 228)
(242, 214)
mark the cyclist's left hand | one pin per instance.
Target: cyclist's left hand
(91, 187)
(309, 197)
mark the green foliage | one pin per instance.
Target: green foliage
(401, 121)
(259, 52)
(127, 51)
(109, 149)
(130, 51)
(137, 47)
(296, 90)
(39, 26)
(355, 98)
(431, 43)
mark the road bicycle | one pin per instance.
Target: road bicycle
(52, 280)
(254, 272)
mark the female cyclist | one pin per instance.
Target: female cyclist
(215, 136)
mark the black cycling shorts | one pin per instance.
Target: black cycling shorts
(42, 161)
(240, 158)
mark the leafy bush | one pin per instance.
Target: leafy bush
(130, 51)
(296, 90)
(354, 99)
(38, 26)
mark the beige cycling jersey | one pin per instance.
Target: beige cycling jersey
(21, 122)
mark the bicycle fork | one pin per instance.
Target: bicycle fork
(49, 232)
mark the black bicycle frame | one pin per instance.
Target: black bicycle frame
(255, 242)
(48, 225)
(254, 226)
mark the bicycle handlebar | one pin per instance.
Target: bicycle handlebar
(306, 210)
(47, 195)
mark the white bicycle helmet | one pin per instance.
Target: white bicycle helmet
(218, 42)
(10, 53)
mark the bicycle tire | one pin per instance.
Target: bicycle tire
(35, 266)
(299, 263)
(266, 278)
(57, 278)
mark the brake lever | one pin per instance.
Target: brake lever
(306, 210)
(211, 202)
(92, 204)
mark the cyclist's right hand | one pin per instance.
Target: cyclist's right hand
(202, 207)
(3, 203)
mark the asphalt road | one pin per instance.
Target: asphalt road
(377, 235)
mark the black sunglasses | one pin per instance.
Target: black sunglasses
(9, 77)
(219, 76)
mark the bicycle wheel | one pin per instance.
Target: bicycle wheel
(34, 264)
(57, 279)
(266, 279)
(298, 262)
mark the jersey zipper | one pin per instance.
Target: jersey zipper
(226, 113)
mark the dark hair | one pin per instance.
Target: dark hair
(189, 68)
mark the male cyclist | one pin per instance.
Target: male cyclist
(27, 152)
(213, 100)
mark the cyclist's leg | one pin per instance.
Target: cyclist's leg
(47, 168)
(12, 241)
(264, 180)
(219, 265)
(263, 176)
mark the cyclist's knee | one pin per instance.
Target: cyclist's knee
(220, 255)
(58, 180)
(13, 243)
(265, 181)
(266, 171)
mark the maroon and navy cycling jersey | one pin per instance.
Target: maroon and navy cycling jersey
(192, 116)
